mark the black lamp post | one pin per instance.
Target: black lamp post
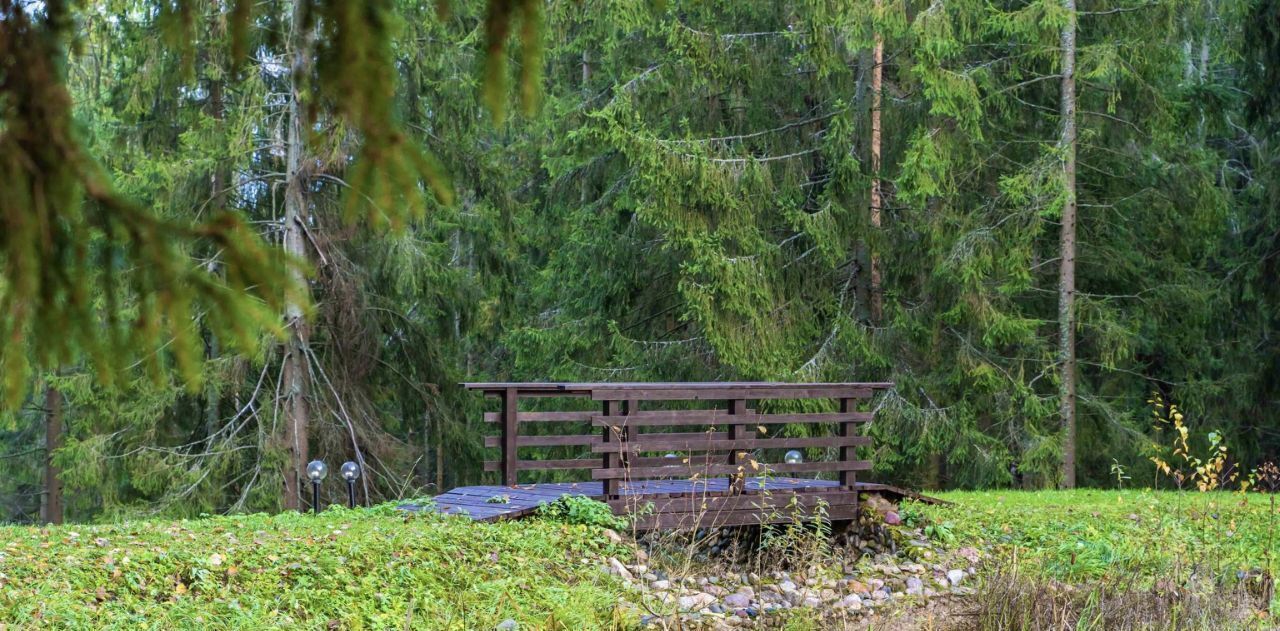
(316, 471)
(350, 472)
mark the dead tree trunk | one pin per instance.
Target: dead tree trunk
(296, 216)
(1067, 269)
(51, 508)
(877, 196)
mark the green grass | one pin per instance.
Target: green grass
(345, 569)
(1092, 534)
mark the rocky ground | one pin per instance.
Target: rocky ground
(713, 584)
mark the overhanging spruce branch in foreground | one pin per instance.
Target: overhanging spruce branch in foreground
(74, 250)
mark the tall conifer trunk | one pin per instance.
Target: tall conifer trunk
(296, 215)
(1067, 269)
(51, 508)
(877, 197)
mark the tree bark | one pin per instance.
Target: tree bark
(877, 197)
(1067, 268)
(51, 508)
(296, 215)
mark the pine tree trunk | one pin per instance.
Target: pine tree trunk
(1067, 269)
(877, 82)
(296, 215)
(51, 508)
(218, 201)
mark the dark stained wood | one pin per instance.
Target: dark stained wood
(692, 502)
(551, 440)
(848, 451)
(610, 434)
(758, 392)
(658, 442)
(728, 469)
(681, 418)
(509, 407)
(542, 417)
(542, 465)
(717, 474)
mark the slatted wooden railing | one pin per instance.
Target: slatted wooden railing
(719, 464)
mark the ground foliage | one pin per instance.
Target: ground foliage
(1140, 539)
(351, 569)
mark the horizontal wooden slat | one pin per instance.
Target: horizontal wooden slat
(715, 519)
(677, 393)
(728, 469)
(649, 419)
(535, 465)
(544, 441)
(759, 501)
(542, 417)
(655, 442)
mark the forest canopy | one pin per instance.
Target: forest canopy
(239, 234)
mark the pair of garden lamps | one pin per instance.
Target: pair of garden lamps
(316, 472)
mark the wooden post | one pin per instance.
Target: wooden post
(509, 430)
(612, 458)
(737, 481)
(848, 453)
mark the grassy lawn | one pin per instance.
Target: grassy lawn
(362, 569)
(1092, 534)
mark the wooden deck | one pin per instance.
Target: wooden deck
(522, 500)
(676, 455)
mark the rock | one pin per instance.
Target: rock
(650, 576)
(969, 554)
(880, 594)
(857, 587)
(852, 602)
(811, 602)
(787, 587)
(915, 586)
(618, 568)
(738, 600)
(507, 625)
(716, 608)
(695, 602)
(892, 518)
(612, 536)
(955, 576)
(660, 585)
(715, 590)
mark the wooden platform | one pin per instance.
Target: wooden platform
(493, 503)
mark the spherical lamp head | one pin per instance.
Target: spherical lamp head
(350, 471)
(793, 457)
(316, 470)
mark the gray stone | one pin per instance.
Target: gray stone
(955, 576)
(738, 600)
(915, 586)
(618, 568)
(695, 602)
(852, 602)
(507, 625)
(812, 603)
(787, 587)
(661, 585)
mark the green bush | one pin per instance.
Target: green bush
(581, 510)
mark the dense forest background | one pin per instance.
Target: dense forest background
(803, 190)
